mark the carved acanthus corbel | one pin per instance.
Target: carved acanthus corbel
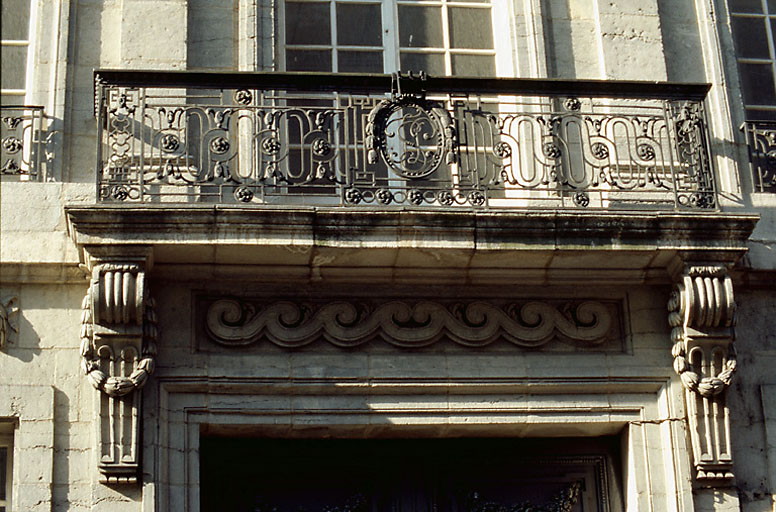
(701, 315)
(118, 347)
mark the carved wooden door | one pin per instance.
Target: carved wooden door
(421, 475)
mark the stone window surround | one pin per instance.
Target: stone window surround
(257, 27)
(656, 473)
(29, 43)
(33, 444)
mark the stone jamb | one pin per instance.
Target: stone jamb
(655, 456)
(31, 408)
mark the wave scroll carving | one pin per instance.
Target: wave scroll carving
(349, 324)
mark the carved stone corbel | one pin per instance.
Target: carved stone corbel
(118, 347)
(701, 316)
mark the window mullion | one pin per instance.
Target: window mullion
(769, 37)
(390, 14)
(334, 46)
(446, 39)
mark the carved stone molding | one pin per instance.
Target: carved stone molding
(8, 326)
(118, 347)
(702, 319)
(405, 324)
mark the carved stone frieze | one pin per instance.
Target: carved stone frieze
(118, 348)
(8, 326)
(408, 324)
(702, 318)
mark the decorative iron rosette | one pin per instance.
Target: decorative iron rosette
(412, 135)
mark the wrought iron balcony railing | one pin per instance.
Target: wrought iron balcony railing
(761, 138)
(381, 140)
(23, 153)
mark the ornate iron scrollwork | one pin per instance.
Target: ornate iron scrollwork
(411, 134)
(563, 502)
(456, 149)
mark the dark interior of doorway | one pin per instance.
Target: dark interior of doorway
(408, 475)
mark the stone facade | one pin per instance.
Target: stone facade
(131, 333)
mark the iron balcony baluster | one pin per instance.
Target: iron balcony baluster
(413, 141)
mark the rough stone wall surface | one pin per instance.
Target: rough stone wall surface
(749, 400)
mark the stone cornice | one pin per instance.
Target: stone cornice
(317, 237)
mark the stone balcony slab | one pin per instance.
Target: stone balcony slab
(472, 245)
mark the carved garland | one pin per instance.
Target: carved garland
(118, 385)
(117, 296)
(704, 298)
(701, 316)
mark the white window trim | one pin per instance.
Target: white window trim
(501, 29)
(31, 45)
(769, 17)
(519, 37)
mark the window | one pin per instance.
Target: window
(6, 456)
(357, 36)
(753, 23)
(15, 50)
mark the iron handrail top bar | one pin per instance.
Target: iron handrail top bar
(339, 82)
(22, 107)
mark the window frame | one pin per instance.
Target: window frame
(770, 19)
(391, 49)
(30, 43)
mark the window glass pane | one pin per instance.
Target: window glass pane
(420, 27)
(431, 63)
(308, 23)
(16, 19)
(360, 62)
(14, 62)
(3, 468)
(753, 114)
(772, 6)
(474, 65)
(308, 60)
(359, 24)
(757, 84)
(750, 37)
(462, 22)
(745, 6)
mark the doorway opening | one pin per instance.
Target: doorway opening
(242, 474)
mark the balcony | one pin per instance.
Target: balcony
(295, 178)
(383, 142)
(23, 144)
(761, 139)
